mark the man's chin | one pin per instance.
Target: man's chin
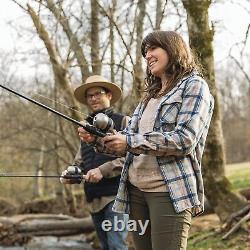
(95, 107)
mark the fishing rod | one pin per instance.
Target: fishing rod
(74, 178)
(42, 176)
(72, 173)
(91, 129)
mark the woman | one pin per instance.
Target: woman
(161, 180)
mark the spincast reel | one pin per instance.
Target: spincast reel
(103, 122)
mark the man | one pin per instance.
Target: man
(101, 172)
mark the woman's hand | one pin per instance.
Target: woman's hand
(117, 142)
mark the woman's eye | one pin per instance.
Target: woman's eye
(149, 49)
(152, 48)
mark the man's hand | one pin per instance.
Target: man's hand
(64, 180)
(117, 142)
(85, 135)
(93, 175)
(71, 171)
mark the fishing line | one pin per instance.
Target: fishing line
(90, 128)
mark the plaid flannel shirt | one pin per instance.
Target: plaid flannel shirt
(177, 140)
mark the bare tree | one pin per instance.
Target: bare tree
(60, 72)
(61, 17)
(95, 44)
(138, 84)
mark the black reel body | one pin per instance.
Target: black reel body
(103, 122)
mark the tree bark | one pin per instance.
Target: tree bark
(95, 43)
(158, 14)
(41, 170)
(217, 186)
(112, 41)
(44, 227)
(138, 84)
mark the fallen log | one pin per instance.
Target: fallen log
(236, 216)
(18, 230)
(82, 225)
(236, 226)
(29, 217)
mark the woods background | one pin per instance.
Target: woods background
(70, 40)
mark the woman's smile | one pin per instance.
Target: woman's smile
(157, 60)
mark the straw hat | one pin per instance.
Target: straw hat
(97, 81)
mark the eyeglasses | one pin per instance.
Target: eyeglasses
(97, 95)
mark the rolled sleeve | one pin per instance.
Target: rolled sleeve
(112, 168)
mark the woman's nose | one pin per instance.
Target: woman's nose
(148, 54)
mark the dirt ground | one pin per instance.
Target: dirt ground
(209, 221)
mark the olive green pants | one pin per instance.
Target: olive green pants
(167, 230)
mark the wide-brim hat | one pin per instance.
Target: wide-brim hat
(97, 81)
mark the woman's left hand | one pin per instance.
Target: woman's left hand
(117, 142)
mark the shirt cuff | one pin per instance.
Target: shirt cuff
(132, 143)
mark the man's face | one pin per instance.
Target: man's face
(98, 98)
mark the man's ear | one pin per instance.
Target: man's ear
(109, 95)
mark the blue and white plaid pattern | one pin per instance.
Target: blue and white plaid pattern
(178, 139)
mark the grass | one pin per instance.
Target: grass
(239, 175)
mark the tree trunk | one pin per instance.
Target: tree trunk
(41, 170)
(138, 84)
(112, 41)
(58, 186)
(95, 44)
(217, 186)
(158, 15)
(38, 189)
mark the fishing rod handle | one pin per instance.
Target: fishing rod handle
(93, 130)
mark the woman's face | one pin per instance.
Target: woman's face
(157, 60)
(98, 99)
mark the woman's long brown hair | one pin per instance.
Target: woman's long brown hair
(181, 62)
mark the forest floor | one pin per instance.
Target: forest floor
(205, 235)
